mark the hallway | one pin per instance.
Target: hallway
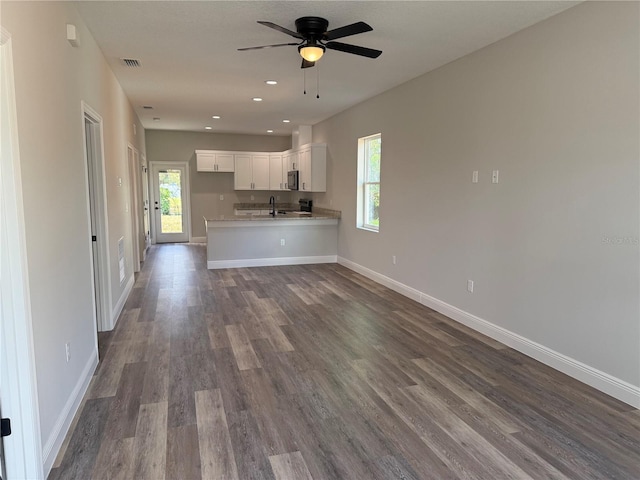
(317, 372)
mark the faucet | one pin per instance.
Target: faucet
(272, 204)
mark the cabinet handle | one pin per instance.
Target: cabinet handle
(294, 165)
(304, 186)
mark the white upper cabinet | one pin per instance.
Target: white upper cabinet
(214, 161)
(268, 171)
(278, 169)
(251, 171)
(312, 161)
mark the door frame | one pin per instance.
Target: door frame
(133, 165)
(146, 203)
(98, 179)
(19, 382)
(152, 194)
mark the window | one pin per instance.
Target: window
(369, 153)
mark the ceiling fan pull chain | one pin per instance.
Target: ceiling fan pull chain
(317, 81)
(304, 81)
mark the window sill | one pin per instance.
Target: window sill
(368, 229)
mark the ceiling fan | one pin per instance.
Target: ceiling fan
(314, 39)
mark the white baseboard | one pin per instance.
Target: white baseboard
(598, 379)
(198, 240)
(60, 429)
(270, 262)
(117, 310)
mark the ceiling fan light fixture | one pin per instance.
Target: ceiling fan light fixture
(311, 52)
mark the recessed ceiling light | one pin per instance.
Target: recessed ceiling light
(286, 121)
(271, 82)
(208, 127)
(269, 131)
(256, 99)
(216, 117)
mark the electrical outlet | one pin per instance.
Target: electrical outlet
(474, 177)
(253, 197)
(221, 197)
(282, 242)
(470, 286)
(67, 350)
(277, 197)
(393, 259)
(495, 177)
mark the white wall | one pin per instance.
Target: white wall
(554, 108)
(52, 78)
(206, 187)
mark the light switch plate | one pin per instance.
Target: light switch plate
(495, 178)
(474, 177)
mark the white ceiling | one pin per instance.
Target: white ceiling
(191, 68)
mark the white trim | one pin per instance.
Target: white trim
(270, 262)
(61, 428)
(19, 387)
(102, 225)
(117, 310)
(198, 240)
(598, 379)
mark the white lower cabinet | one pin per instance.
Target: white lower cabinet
(251, 172)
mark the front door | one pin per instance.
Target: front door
(170, 204)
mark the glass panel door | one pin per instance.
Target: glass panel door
(170, 205)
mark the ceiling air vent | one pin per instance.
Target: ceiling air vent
(131, 62)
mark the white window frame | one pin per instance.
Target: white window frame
(363, 181)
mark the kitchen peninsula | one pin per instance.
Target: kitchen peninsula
(288, 238)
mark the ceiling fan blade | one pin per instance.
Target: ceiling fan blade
(353, 29)
(281, 29)
(355, 49)
(307, 63)
(266, 46)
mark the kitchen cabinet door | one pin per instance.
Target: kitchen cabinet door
(277, 173)
(260, 169)
(304, 159)
(243, 177)
(225, 162)
(206, 162)
(313, 168)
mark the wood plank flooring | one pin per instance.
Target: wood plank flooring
(315, 372)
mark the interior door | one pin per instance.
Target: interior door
(170, 203)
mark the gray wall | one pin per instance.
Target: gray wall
(51, 80)
(553, 248)
(206, 187)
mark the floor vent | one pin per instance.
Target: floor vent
(131, 62)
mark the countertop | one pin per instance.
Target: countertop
(321, 215)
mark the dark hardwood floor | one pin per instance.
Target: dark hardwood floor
(316, 372)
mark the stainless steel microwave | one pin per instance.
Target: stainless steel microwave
(292, 179)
